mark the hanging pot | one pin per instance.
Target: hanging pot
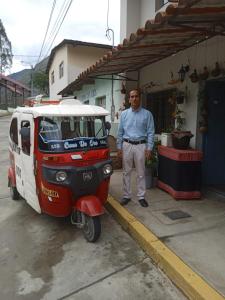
(194, 76)
(216, 71)
(205, 74)
(123, 89)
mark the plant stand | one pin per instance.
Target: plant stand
(180, 172)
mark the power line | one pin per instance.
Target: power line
(108, 15)
(62, 9)
(49, 21)
(57, 21)
(59, 27)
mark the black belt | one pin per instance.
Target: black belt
(135, 142)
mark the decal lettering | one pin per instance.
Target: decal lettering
(93, 143)
(77, 144)
(103, 142)
(18, 171)
(83, 144)
(49, 193)
(55, 146)
(68, 145)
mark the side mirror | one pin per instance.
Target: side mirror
(107, 127)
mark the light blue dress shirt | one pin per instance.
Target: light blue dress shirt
(136, 125)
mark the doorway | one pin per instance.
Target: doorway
(213, 166)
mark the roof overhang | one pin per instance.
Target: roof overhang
(180, 26)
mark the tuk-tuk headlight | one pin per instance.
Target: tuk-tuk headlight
(107, 169)
(60, 176)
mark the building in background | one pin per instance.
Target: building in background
(68, 59)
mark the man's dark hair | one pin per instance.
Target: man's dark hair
(135, 89)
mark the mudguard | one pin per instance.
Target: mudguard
(90, 205)
(11, 177)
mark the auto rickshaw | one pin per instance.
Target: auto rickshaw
(60, 163)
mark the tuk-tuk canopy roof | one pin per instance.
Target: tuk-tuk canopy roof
(62, 110)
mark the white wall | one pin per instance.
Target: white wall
(60, 83)
(147, 11)
(76, 60)
(129, 18)
(133, 15)
(82, 57)
(103, 88)
(204, 54)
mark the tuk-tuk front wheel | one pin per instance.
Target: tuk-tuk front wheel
(13, 192)
(91, 228)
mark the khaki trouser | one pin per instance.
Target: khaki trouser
(136, 154)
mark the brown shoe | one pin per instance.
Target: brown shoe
(143, 202)
(124, 201)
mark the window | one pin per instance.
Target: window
(14, 131)
(25, 137)
(161, 109)
(52, 77)
(101, 101)
(60, 134)
(61, 69)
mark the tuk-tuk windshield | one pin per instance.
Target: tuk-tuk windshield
(59, 134)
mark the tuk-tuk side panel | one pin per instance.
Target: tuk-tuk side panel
(27, 157)
(54, 200)
(15, 173)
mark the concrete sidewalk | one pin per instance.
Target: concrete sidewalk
(196, 240)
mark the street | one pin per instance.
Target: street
(47, 258)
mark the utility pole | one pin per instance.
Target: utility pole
(1, 54)
(112, 94)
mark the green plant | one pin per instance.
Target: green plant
(179, 119)
(153, 161)
(167, 130)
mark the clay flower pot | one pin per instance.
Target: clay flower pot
(181, 139)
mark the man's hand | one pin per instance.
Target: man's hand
(119, 153)
(148, 154)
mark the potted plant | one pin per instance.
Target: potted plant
(151, 167)
(180, 137)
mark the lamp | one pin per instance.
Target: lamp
(182, 72)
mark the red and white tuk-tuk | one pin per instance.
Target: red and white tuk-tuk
(59, 161)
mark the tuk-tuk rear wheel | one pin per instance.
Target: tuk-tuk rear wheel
(91, 228)
(13, 192)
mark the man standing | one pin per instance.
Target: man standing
(134, 143)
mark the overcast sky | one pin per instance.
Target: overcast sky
(25, 22)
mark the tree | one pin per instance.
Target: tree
(40, 81)
(5, 50)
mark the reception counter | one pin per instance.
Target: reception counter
(180, 172)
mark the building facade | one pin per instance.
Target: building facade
(68, 59)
